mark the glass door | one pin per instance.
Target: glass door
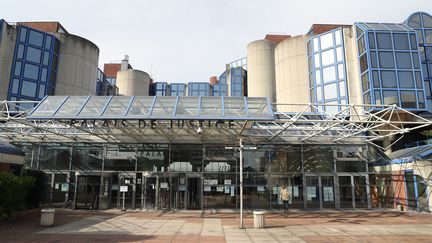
(327, 186)
(360, 193)
(193, 192)
(312, 192)
(345, 192)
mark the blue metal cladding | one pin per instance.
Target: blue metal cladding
(199, 89)
(178, 89)
(390, 66)
(422, 23)
(34, 68)
(327, 73)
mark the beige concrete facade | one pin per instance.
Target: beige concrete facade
(352, 66)
(7, 47)
(261, 69)
(292, 84)
(133, 82)
(77, 66)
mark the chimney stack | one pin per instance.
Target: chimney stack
(125, 63)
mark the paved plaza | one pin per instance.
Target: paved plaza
(214, 226)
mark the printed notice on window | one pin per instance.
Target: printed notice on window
(328, 194)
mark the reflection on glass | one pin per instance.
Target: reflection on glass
(28, 89)
(327, 57)
(401, 41)
(388, 79)
(386, 59)
(408, 99)
(384, 41)
(31, 71)
(406, 79)
(390, 97)
(330, 91)
(33, 54)
(403, 60)
(326, 40)
(329, 74)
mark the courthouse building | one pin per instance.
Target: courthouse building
(314, 112)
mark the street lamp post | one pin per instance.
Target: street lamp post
(241, 182)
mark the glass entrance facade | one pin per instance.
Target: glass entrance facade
(203, 176)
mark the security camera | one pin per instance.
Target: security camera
(199, 130)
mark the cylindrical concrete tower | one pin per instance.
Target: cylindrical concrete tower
(133, 82)
(77, 66)
(261, 69)
(292, 85)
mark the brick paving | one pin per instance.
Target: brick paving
(213, 226)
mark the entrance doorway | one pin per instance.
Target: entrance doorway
(193, 193)
(87, 192)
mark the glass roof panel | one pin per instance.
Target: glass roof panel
(395, 27)
(140, 106)
(258, 107)
(164, 107)
(117, 106)
(377, 26)
(94, 106)
(72, 106)
(187, 107)
(235, 107)
(153, 107)
(211, 107)
(48, 106)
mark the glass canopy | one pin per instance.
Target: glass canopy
(153, 107)
(384, 27)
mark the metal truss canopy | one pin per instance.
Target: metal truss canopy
(289, 123)
(152, 107)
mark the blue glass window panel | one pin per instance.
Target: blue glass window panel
(376, 80)
(384, 41)
(327, 57)
(46, 58)
(427, 21)
(41, 91)
(338, 38)
(361, 45)
(388, 79)
(363, 63)
(342, 91)
(414, 21)
(319, 93)
(315, 44)
(318, 76)
(33, 54)
(341, 74)
(390, 97)
(408, 99)
(367, 98)
(317, 60)
(17, 71)
(413, 41)
(28, 88)
(406, 79)
(23, 34)
(401, 41)
(326, 40)
(44, 74)
(31, 71)
(329, 74)
(20, 52)
(428, 37)
(237, 71)
(421, 100)
(419, 80)
(427, 88)
(48, 42)
(416, 61)
(422, 54)
(15, 86)
(339, 54)
(386, 59)
(374, 60)
(378, 100)
(371, 37)
(35, 38)
(403, 60)
(330, 91)
(365, 82)
(420, 36)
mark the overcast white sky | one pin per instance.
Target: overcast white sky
(191, 40)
